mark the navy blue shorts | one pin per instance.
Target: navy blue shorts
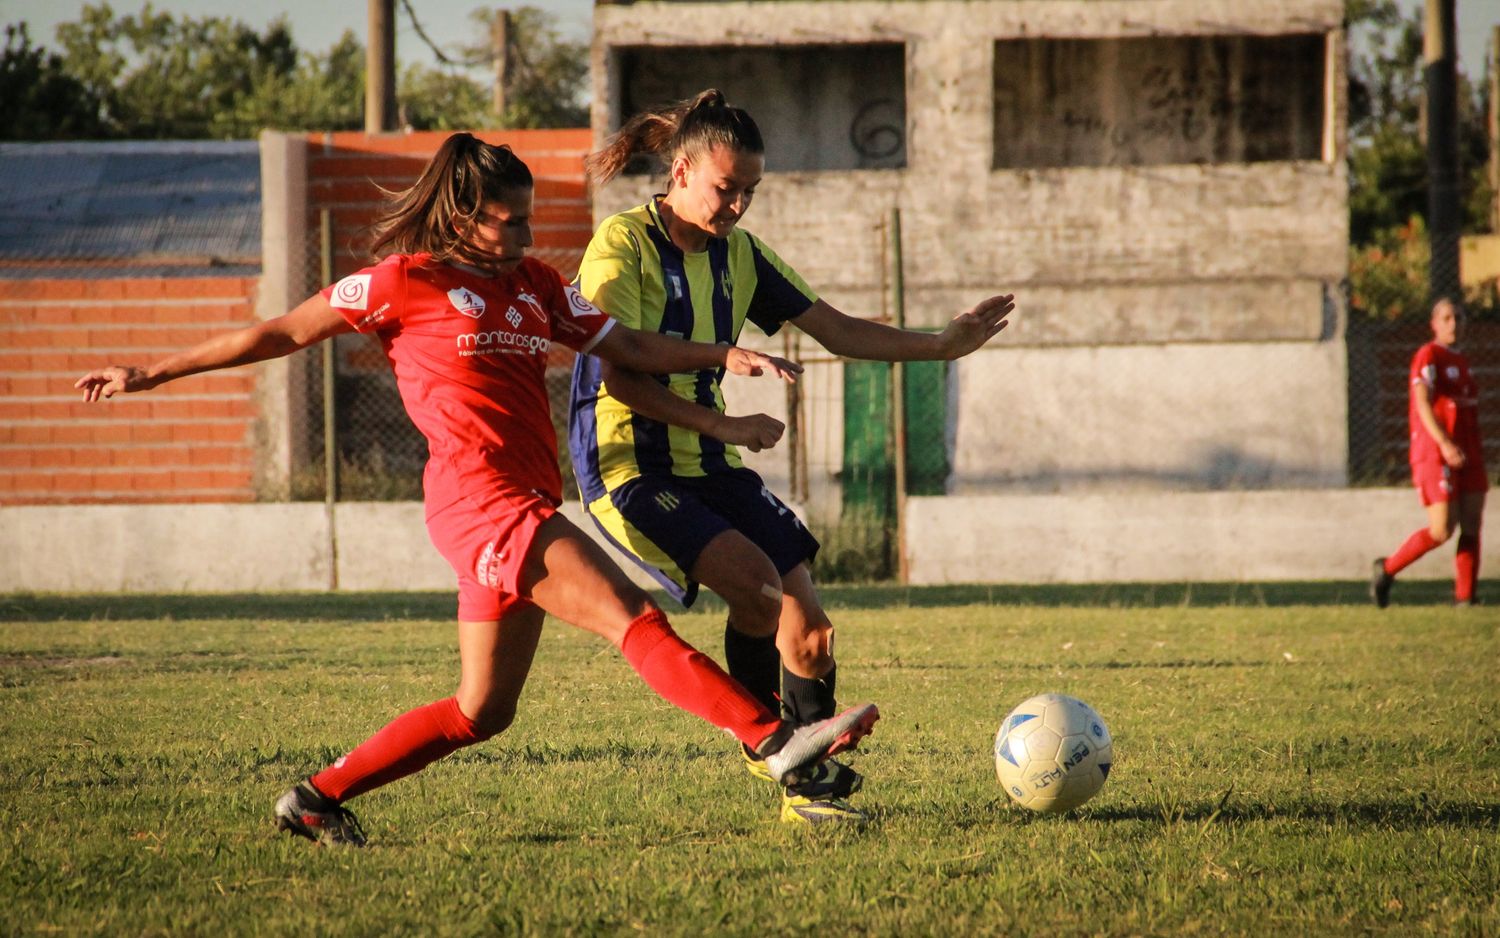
(663, 522)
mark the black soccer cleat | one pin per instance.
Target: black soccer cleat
(1380, 583)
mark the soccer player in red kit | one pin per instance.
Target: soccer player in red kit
(466, 320)
(1447, 459)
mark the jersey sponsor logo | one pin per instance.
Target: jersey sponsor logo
(726, 284)
(501, 342)
(579, 306)
(466, 301)
(374, 318)
(353, 292)
(1452, 372)
(674, 287)
(513, 316)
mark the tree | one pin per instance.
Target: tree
(163, 77)
(153, 75)
(39, 99)
(547, 75)
(1388, 159)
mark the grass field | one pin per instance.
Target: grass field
(1289, 761)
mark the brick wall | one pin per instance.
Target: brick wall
(194, 440)
(187, 441)
(344, 170)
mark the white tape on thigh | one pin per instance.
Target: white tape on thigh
(770, 592)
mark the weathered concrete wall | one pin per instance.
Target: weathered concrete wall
(1237, 536)
(1206, 536)
(1171, 255)
(225, 548)
(1162, 417)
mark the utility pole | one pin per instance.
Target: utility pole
(380, 67)
(1494, 131)
(500, 44)
(1440, 71)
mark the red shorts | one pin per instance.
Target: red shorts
(485, 539)
(1438, 482)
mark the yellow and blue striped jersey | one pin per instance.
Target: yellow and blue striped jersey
(634, 272)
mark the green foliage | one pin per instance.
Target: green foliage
(431, 99)
(1388, 279)
(153, 75)
(1388, 191)
(548, 74)
(164, 77)
(39, 100)
(1281, 770)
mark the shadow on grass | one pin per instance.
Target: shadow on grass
(363, 607)
(1414, 813)
(1408, 814)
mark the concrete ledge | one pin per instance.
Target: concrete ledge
(1144, 537)
(270, 547)
(1208, 536)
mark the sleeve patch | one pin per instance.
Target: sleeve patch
(353, 292)
(579, 306)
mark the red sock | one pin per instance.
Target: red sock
(1418, 544)
(414, 739)
(1466, 565)
(689, 679)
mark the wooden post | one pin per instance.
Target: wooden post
(898, 398)
(1494, 131)
(1440, 71)
(500, 44)
(380, 67)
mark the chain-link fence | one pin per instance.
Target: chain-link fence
(1391, 286)
(845, 462)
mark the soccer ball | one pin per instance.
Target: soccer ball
(1053, 753)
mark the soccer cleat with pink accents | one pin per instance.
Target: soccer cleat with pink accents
(795, 761)
(304, 811)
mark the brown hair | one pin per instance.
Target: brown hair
(689, 128)
(433, 215)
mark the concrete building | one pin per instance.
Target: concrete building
(1160, 183)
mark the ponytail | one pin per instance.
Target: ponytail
(689, 128)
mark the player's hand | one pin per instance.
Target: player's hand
(969, 331)
(741, 361)
(1452, 455)
(115, 379)
(755, 432)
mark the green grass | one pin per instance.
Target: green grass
(1290, 761)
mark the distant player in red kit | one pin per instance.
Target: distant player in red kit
(1447, 459)
(466, 320)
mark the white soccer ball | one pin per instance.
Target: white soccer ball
(1053, 753)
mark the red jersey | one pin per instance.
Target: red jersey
(470, 357)
(1455, 403)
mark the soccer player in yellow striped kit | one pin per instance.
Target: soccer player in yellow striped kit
(656, 455)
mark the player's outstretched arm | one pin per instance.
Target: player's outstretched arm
(657, 354)
(649, 398)
(312, 321)
(850, 337)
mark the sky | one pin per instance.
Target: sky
(317, 25)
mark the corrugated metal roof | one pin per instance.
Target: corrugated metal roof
(129, 208)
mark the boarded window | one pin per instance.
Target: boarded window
(826, 107)
(1157, 100)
